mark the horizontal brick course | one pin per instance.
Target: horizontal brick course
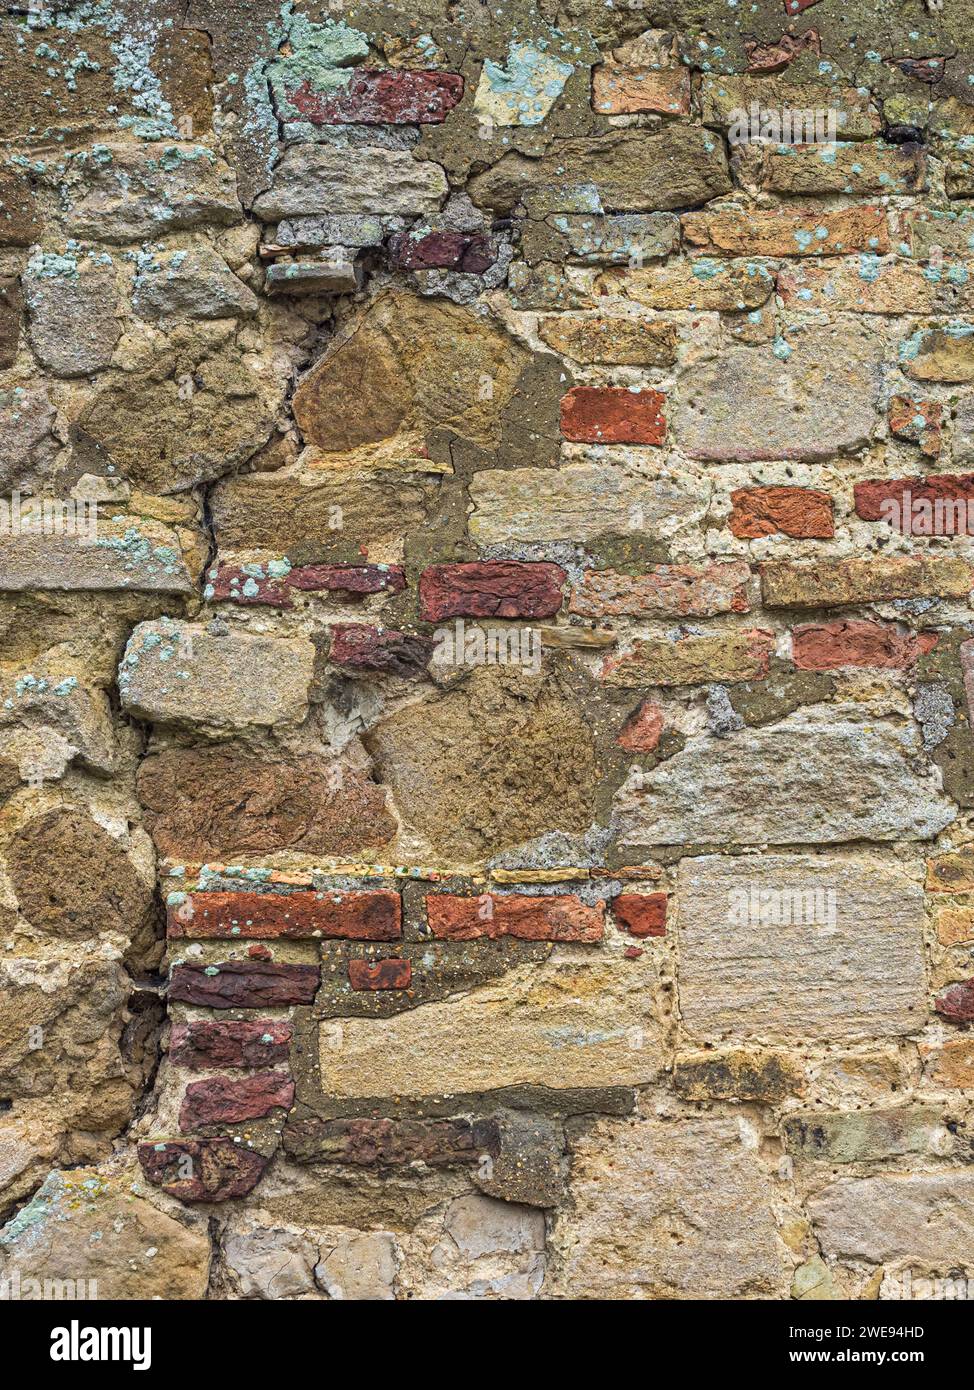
(356, 916)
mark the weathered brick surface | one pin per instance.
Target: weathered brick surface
(223, 1100)
(500, 589)
(243, 984)
(613, 415)
(805, 513)
(485, 614)
(642, 914)
(354, 916)
(219, 1169)
(563, 917)
(825, 646)
(202, 1046)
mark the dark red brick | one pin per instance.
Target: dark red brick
(225, 1100)
(613, 415)
(233, 583)
(357, 916)
(545, 917)
(206, 1045)
(956, 1002)
(360, 647)
(220, 1168)
(471, 253)
(380, 974)
(393, 1143)
(349, 579)
(491, 589)
(243, 984)
(642, 914)
(376, 97)
(827, 646)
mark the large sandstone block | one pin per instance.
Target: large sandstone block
(130, 553)
(814, 780)
(583, 500)
(809, 396)
(410, 365)
(84, 1225)
(799, 946)
(130, 192)
(179, 672)
(505, 759)
(678, 1208)
(627, 171)
(567, 1022)
(927, 1217)
(74, 319)
(311, 179)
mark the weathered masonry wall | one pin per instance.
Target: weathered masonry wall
(486, 773)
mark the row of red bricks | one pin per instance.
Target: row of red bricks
(376, 915)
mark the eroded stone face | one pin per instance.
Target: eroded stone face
(694, 1213)
(86, 1226)
(799, 947)
(801, 781)
(498, 764)
(803, 397)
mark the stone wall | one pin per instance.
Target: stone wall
(486, 774)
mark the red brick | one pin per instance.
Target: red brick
(468, 252)
(221, 1169)
(827, 646)
(642, 914)
(641, 731)
(358, 916)
(491, 589)
(613, 415)
(377, 97)
(242, 984)
(205, 1045)
(380, 974)
(956, 1002)
(360, 647)
(942, 504)
(802, 512)
(545, 917)
(677, 591)
(227, 1100)
(621, 91)
(905, 413)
